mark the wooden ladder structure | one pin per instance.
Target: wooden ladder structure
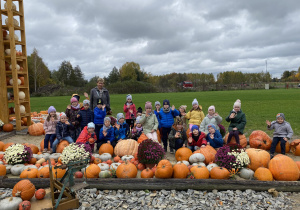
(13, 64)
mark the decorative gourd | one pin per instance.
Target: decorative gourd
(260, 140)
(258, 158)
(29, 173)
(200, 164)
(263, 174)
(22, 80)
(183, 154)
(36, 129)
(10, 203)
(105, 157)
(180, 171)
(2, 170)
(17, 67)
(13, 6)
(184, 162)
(127, 157)
(21, 95)
(97, 161)
(41, 161)
(92, 171)
(200, 172)
(105, 174)
(8, 127)
(147, 174)
(246, 173)
(24, 189)
(8, 167)
(242, 137)
(295, 147)
(103, 166)
(40, 194)
(16, 23)
(29, 166)
(114, 166)
(126, 170)
(61, 146)
(219, 173)
(106, 148)
(15, 36)
(211, 166)
(284, 168)
(25, 205)
(16, 170)
(117, 159)
(126, 147)
(209, 153)
(164, 170)
(196, 157)
(141, 166)
(7, 51)
(78, 174)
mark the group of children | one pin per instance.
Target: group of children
(81, 124)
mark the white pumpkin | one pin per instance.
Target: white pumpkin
(1, 162)
(83, 169)
(11, 82)
(36, 156)
(114, 166)
(199, 164)
(17, 169)
(55, 156)
(15, 36)
(7, 51)
(103, 166)
(8, 167)
(211, 166)
(127, 157)
(246, 173)
(17, 67)
(29, 166)
(16, 23)
(184, 162)
(197, 157)
(96, 155)
(21, 95)
(104, 174)
(105, 157)
(10, 203)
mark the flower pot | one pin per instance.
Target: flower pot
(150, 165)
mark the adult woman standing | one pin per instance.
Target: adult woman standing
(100, 92)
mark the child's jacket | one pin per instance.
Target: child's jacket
(195, 117)
(198, 140)
(281, 130)
(123, 132)
(110, 135)
(167, 118)
(217, 141)
(62, 130)
(239, 121)
(99, 116)
(50, 126)
(86, 116)
(172, 138)
(85, 136)
(128, 114)
(72, 116)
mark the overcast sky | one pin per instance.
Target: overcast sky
(166, 36)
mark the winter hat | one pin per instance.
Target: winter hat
(74, 99)
(211, 126)
(107, 119)
(195, 102)
(51, 109)
(120, 116)
(178, 121)
(62, 114)
(91, 125)
(280, 115)
(157, 103)
(166, 102)
(212, 107)
(99, 101)
(183, 106)
(148, 105)
(139, 110)
(86, 102)
(76, 96)
(138, 119)
(128, 97)
(195, 127)
(237, 103)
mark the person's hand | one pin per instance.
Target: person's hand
(285, 139)
(128, 106)
(232, 115)
(103, 106)
(190, 140)
(211, 136)
(268, 123)
(183, 114)
(183, 145)
(117, 126)
(86, 95)
(177, 135)
(216, 114)
(208, 143)
(78, 115)
(235, 129)
(69, 107)
(152, 131)
(108, 142)
(202, 146)
(67, 122)
(173, 107)
(104, 133)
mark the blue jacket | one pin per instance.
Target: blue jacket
(62, 130)
(217, 141)
(167, 119)
(99, 116)
(110, 135)
(158, 119)
(86, 116)
(123, 132)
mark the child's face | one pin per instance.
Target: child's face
(75, 103)
(86, 106)
(129, 100)
(181, 110)
(280, 120)
(148, 110)
(99, 106)
(211, 130)
(138, 125)
(106, 123)
(157, 106)
(195, 106)
(166, 106)
(63, 119)
(121, 120)
(211, 112)
(195, 132)
(52, 114)
(179, 127)
(91, 130)
(138, 114)
(237, 108)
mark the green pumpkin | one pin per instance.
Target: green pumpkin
(105, 174)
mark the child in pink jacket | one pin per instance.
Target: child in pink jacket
(130, 111)
(50, 128)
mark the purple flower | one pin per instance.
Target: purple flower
(150, 152)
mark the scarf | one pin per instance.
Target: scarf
(105, 128)
(128, 104)
(166, 110)
(76, 107)
(209, 116)
(138, 129)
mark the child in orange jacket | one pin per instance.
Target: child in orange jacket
(88, 135)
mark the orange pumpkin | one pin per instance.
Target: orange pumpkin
(287, 147)
(209, 153)
(43, 173)
(183, 153)
(284, 168)
(59, 160)
(164, 170)
(258, 158)
(25, 205)
(1, 145)
(158, 136)
(295, 147)
(243, 140)
(22, 80)
(2, 170)
(260, 140)
(298, 164)
(147, 173)
(24, 189)
(142, 138)
(126, 170)
(97, 161)
(8, 127)
(180, 171)
(126, 147)
(219, 173)
(36, 129)
(33, 161)
(34, 148)
(40, 194)
(6, 146)
(58, 172)
(200, 172)
(263, 174)
(92, 171)
(109, 162)
(29, 173)
(117, 159)
(140, 166)
(106, 148)
(61, 146)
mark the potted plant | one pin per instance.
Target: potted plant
(150, 153)
(76, 152)
(18, 154)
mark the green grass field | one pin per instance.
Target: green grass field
(259, 105)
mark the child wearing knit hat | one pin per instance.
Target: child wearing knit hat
(72, 112)
(85, 115)
(211, 118)
(121, 128)
(88, 135)
(137, 130)
(197, 139)
(282, 133)
(149, 122)
(99, 115)
(107, 134)
(156, 111)
(50, 128)
(177, 136)
(237, 119)
(214, 137)
(182, 114)
(130, 111)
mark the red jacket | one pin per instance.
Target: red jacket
(127, 112)
(201, 140)
(85, 136)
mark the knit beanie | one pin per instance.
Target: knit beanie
(166, 102)
(107, 119)
(148, 105)
(178, 121)
(195, 102)
(76, 96)
(237, 103)
(120, 116)
(157, 103)
(51, 109)
(86, 102)
(128, 97)
(91, 125)
(183, 107)
(74, 99)
(138, 119)
(211, 126)
(195, 127)
(99, 101)
(212, 107)
(62, 114)
(139, 110)
(280, 115)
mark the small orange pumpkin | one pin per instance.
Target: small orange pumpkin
(106, 148)
(140, 166)
(142, 138)
(24, 189)
(147, 173)
(183, 153)
(92, 171)
(36, 129)
(97, 161)
(117, 159)
(6, 146)
(61, 146)
(1, 145)
(40, 194)
(263, 174)
(33, 160)
(180, 171)
(209, 153)
(242, 137)
(25, 205)
(8, 127)
(58, 172)
(200, 172)
(43, 173)
(2, 170)
(164, 170)
(126, 170)
(219, 173)
(295, 147)
(29, 173)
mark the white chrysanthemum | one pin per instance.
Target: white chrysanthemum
(74, 152)
(11, 154)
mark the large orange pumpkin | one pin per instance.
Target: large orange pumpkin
(295, 147)
(142, 138)
(106, 148)
(209, 153)
(24, 189)
(8, 127)
(258, 158)
(200, 172)
(284, 168)
(243, 140)
(126, 147)
(263, 174)
(180, 171)
(61, 146)
(287, 147)
(29, 173)
(183, 153)
(260, 140)
(43, 173)
(147, 173)
(1, 145)
(6, 146)
(92, 171)
(34, 148)
(36, 129)
(219, 173)
(126, 170)
(42, 145)
(164, 170)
